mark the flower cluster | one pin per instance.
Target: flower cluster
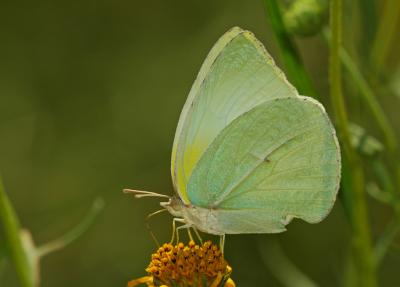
(187, 266)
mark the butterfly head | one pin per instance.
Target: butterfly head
(174, 206)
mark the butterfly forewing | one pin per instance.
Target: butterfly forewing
(237, 75)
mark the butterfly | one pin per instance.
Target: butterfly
(250, 154)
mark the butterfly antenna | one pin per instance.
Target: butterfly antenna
(149, 228)
(143, 193)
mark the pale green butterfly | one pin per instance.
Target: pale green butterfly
(249, 153)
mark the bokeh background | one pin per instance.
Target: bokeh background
(90, 96)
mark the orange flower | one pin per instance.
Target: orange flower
(187, 266)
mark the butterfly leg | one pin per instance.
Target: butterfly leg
(189, 234)
(197, 235)
(222, 242)
(181, 227)
(174, 229)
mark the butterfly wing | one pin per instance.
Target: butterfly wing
(277, 161)
(237, 75)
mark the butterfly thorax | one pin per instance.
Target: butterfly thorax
(204, 219)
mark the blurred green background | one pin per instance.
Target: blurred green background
(90, 96)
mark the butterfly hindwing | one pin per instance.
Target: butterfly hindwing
(277, 161)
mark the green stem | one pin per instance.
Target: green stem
(386, 239)
(281, 267)
(362, 247)
(385, 34)
(2, 265)
(391, 142)
(384, 178)
(73, 234)
(11, 230)
(377, 112)
(292, 62)
(390, 197)
(371, 101)
(373, 104)
(368, 25)
(335, 76)
(398, 174)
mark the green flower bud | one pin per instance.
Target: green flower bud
(305, 17)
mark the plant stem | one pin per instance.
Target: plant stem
(390, 141)
(388, 236)
(377, 112)
(368, 95)
(335, 76)
(11, 229)
(371, 101)
(73, 234)
(384, 36)
(368, 24)
(290, 55)
(362, 247)
(281, 267)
